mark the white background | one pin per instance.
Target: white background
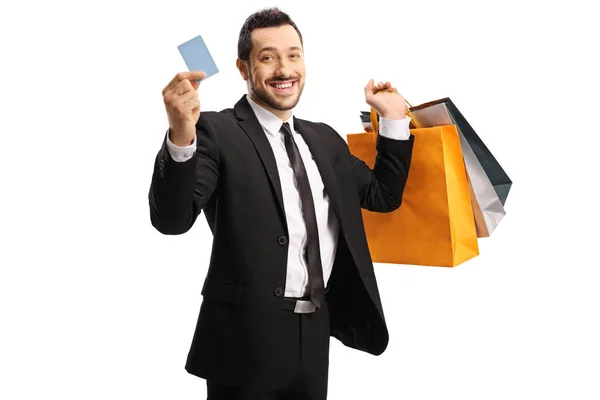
(96, 304)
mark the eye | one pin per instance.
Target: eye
(266, 58)
(295, 55)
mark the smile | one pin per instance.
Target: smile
(283, 86)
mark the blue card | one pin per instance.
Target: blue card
(197, 57)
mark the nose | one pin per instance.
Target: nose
(283, 67)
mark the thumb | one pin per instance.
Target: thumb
(370, 88)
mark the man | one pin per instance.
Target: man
(290, 264)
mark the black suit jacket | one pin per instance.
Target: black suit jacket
(233, 179)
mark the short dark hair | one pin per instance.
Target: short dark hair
(265, 18)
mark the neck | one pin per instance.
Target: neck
(282, 114)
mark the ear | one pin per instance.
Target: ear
(241, 66)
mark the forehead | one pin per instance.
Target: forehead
(280, 38)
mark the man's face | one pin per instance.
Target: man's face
(276, 73)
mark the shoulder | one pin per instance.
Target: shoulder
(217, 123)
(324, 131)
(216, 117)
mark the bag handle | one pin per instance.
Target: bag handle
(374, 122)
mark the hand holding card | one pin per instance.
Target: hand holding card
(181, 94)
(197, 57)
(183, 106)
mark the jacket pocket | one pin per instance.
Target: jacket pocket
(227, 292)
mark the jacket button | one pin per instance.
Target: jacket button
(278, 291)
(282, 240)
(162, 168)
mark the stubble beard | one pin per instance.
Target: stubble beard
(266, 98)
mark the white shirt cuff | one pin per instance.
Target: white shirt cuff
(181, 154)
(395, 128)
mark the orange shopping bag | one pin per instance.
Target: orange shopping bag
(434, 225)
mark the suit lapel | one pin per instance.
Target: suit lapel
(322, 158)
(249, 123)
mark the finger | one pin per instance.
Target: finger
(369, 89)
(191, 105)
(190, 76)
(180, 76)
(185, 98)
(180, 89)
(191, 95)
(196, 105)
(183, 87)
(186, 108)
(195, 85)
(383, 87)
(174, 101)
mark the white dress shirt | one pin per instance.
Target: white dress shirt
(297, 284)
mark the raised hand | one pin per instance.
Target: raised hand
(385, 99)
(183, 106)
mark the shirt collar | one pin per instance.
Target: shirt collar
(269, 121)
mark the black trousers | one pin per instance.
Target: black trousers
(299, 369)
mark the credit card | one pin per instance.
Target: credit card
(197, 57)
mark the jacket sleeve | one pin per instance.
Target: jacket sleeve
(179, 190)
(380, 189)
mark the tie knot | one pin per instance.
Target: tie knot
(285, 128)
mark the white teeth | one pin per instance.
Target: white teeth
(283, 86)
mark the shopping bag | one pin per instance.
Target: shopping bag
(434, 225)
(487, 205)
(496, 174)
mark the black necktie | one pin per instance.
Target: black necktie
(315, 269)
